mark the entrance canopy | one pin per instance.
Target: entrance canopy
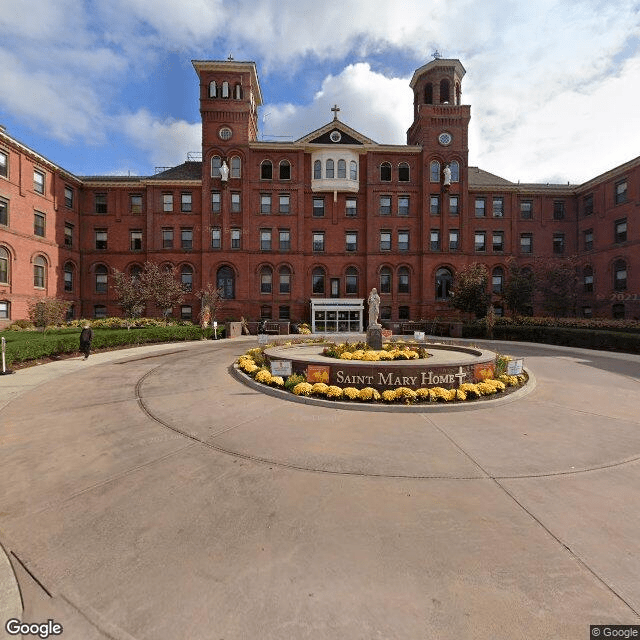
(337, 315)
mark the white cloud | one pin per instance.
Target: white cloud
(166, 141)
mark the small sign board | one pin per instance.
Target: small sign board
(387, 333)
(317, 373)
(281, 368)
(418, 335)
(263, 338)
(514, 367)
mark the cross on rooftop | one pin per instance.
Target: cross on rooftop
(335, 110)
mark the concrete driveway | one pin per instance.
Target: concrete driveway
(148, 494)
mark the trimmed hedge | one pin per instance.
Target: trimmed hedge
(31, 345)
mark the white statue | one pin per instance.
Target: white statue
(224, 171)
(447, 176)
(374, 307)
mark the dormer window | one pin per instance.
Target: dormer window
(213, 89)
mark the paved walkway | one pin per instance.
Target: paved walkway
(148, 494)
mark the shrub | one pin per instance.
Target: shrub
(293, 380)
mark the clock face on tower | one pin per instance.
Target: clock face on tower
(445, 138)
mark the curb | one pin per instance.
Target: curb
(10, 597)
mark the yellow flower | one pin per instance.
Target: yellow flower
(302, 389)
(277, 381)
(389, 395)
(346, 356)
(320, 387)
(404, 393)
(263, 376)
(371, 356)
(250, 367)
(351, 393)
(334, 392)
(460, 394)
(368, 393)
(423, 394)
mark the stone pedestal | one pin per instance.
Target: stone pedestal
(374, 336)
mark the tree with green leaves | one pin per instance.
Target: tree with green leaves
(518, 289)
(47, 312)
(470, 290)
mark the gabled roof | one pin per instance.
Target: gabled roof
(348, 135)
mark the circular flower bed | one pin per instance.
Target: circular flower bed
(362, 351)
(254, 364)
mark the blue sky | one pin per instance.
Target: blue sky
(108, 87)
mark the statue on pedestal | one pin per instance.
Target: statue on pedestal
(224, 171)
(447, 176)
(374, 307)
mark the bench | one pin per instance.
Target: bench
(408, 328)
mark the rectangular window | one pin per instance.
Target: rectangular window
(498, 241)
(186, 238)
(403, 241)
(4, 212)
(186, 312)
(236, 203)
(453, 205)
(454, 239)
(136, 204)
(385, 205)
(588, 240)
(265, 203)
(558, 210)
(265, 239)
(480, 242)
(216, 238)
(558, 243)
(266, 281)
(385, 241)
(284, 281)
(318, 207)
(588, 282)
(38, 181)
(587, 205)
(39, 221)
(68, 197)
(185, 202)
(68, 235)
(235, 238)
(285, 203)
(136, 239)
(351, 208)
(526, 209)
(480, 207)
(284, 239)
(434, 240)
(620, 230)
(403, 281)
(216, 202)
(167, 238)
(526, 243)
(284, 312)
(100, 200)
(621, 192)
(403, 205)
(351, 241)
(318, 240)
(4, 310)
(38, 276)
(434, 205)
(101, 238)
(99, 311)
(498, 207)
(4, 164)
(167, 202)
(404, 313)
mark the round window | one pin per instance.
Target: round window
(335, 136)
(225, 133)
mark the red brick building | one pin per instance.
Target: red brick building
(330, 215)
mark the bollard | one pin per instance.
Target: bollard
(5, 371)
(215, 329)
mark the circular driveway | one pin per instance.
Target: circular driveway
(148, 494)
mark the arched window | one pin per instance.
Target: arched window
(428, 93)
(342, 169)
(226, 281)
(216, 163)
(213, 89)
(351, 281)
(620, 275)
(434, 171)
(5, 261)
(225, 89)
(385, 172)
(444, 281)
(102, 275)
(497, 279)
(385, 280)
(135, 271)
(404, 284)
(285, 280)
(39, 272)
(68, 276)
(353, 170)
(318, 277)
(186, 277)
(317, 170)
(328, 168)
(237, 92)
(444, 92)
(403, 172)
(454, 165)
(285, 170)
(587, 274)
(266, 170)
(266, 279)
(236, 167)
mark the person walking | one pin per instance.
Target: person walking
(85, 340)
